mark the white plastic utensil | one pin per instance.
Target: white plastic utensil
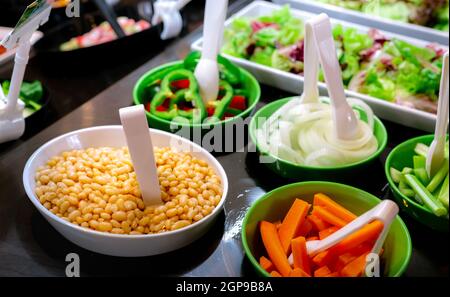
(140, 146)
(168, 12)
(345, 121)
(436, 153)
(384, 212)
(311, 67)
(311, 76)
(12, 122)
(207, 70)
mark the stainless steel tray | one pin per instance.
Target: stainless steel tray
(294, 83)
(412, 30)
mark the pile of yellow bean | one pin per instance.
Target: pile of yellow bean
(97, 189)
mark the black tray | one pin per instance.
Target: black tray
(116, 51)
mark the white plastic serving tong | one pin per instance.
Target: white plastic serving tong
(168, 12)
(12, 122)
(384, 212)
(345, 121)
(436, 153)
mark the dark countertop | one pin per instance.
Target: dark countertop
(29, 246)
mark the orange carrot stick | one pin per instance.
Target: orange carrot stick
(366, 233)
(361, 249)
(277, 224)
(312, 238)
(305, 229)
(318, 224)
(343, 260)
(322, 271)
(356, 267)
(322, 258)
(328, 217)
(327, 232)
(334, 274)
(298, 272)
(333, 207)
(292, 223)
(274, 248)
(300, 254)
(275, 274)
(266, 264)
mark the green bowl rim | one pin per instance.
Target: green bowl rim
(381, 147)
(266, 196)
(249, 109)
(391, 182)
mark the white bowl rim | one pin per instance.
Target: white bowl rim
(32, 196)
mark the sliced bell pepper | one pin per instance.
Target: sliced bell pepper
(191, 95)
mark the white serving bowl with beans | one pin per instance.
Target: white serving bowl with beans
(84, 184)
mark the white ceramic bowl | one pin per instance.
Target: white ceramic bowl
(113, 244)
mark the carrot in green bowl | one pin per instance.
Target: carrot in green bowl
(333, 262)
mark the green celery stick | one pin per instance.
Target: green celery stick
(422, 175)
(443, 194)
(434, 205)
(407, 192)
(421, 149)
(403, 185)
(417, 198)
(438, 178)
(419, 162)
(395, 174)
(407, 170)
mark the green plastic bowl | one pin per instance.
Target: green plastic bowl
(274, 205)
(399, 158)
(291, 170)
(249, 82)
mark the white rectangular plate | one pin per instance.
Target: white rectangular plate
(412, 30)
(294, 83)
(5, 57)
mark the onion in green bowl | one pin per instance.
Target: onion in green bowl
(289, 165)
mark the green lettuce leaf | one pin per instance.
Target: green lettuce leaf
(282, 62)
(280, 16)
(263, 56)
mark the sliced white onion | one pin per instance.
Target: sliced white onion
(304, 134)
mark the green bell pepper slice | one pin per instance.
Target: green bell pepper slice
(192, 94)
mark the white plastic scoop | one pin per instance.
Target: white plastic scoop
(384, 212)
(310, 74)
(167, 12)
(207, 70)
(12, 122)
(311, 67)
(436, 153)
(140, 146)
(345, 121)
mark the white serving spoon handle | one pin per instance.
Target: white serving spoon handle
(345, 121)
(436, 153)
(311, 67)
(140, 146)
(215, 13)
(385, 212)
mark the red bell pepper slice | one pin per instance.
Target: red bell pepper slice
(210, 111)
(239, 102)
(180, 84)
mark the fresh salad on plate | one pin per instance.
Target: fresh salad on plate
(372, 64)
(429, 13)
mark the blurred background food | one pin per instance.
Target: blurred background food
(430, 13)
